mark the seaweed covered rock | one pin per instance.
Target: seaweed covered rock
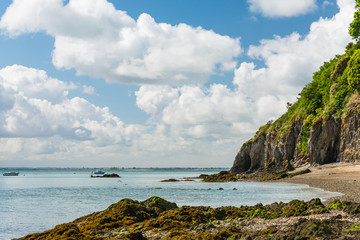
(265, 174)
(157, 218)
(170, 180)
(349, 207)
(223, 176)
(124, 213)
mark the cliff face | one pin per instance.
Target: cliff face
(330, 141)
(350, 132)
(323, 146)
(321, 127)
(267, 151)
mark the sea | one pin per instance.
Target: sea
(38, 200)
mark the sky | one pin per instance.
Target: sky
(114, 83)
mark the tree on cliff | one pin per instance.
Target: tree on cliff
(354, 29)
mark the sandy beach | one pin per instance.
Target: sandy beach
(335, 177)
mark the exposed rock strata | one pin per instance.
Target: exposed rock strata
(350, 132)
(324, 142)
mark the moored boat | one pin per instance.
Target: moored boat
(6, 174)
(97, 173)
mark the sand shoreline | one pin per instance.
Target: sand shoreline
(336, 177)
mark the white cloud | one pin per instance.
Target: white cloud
(88, 90)
(282, 8)
(34, 83)
(219, 112)
(212, 113)
(290, 61)
(97, 40)
(327, 3)
(54, 130)
(36, 105)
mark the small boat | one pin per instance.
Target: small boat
(6, 174)
(97, 173)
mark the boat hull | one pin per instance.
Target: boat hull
(7, 174)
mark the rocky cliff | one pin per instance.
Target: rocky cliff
(321, 127)
(350, 132)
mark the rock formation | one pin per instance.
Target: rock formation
(350, 132)
(321, 127)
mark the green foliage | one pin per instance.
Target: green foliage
(317, 93)
(340, 94)
(354, 28)
(305, 133)
(353, 73)
(326, 96)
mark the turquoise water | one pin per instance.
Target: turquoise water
(39, 200)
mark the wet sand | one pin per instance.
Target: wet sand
(335, 177)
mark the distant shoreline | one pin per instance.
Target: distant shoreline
(112, 169)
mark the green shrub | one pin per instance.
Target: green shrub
(353, 73)
(354, 29)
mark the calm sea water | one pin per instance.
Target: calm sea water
(39, 200)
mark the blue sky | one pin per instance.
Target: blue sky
(154, 83)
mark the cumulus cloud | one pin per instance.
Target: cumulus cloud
(282, 8)
(34, 83)
(233, 113)
(39, 122)
(36, 105)
(290, 61)
(210, 113)
(99, 41)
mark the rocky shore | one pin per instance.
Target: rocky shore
(157, 218)
(335, 177)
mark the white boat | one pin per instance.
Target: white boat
(6, 174)
(97, 173)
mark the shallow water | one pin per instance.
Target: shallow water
(39, 200)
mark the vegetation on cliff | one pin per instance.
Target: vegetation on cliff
(326, 96)
(329, 92)
(157, 218)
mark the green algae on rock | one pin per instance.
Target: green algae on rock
(156, 218)
(258, 175)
